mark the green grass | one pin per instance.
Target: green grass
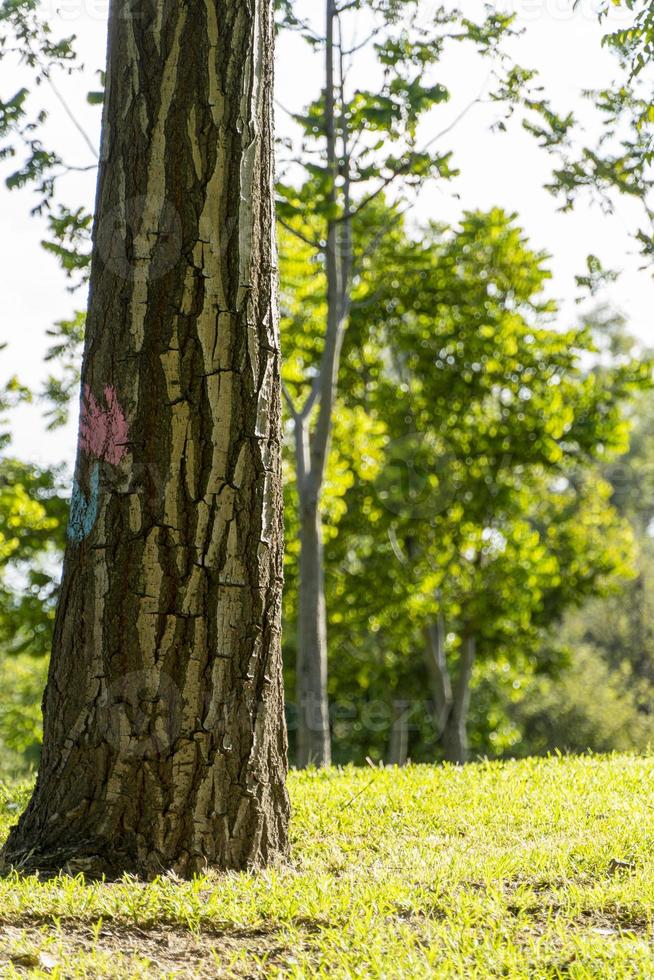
(541, 868)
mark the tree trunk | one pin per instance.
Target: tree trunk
(439, 675)
(455, 734)
(164, 738)
(313, 734)
(398, 750)
(312, 451)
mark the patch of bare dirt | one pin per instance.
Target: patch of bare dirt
(169, 951)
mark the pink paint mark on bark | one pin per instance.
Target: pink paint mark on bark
(103, 430)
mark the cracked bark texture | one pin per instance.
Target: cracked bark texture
(164, 740)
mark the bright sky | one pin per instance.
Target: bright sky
(506, 170)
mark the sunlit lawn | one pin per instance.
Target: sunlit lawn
(529, 869)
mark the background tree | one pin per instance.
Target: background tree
(164, 742)
(612, 638)
(355, 145)
(488, 412)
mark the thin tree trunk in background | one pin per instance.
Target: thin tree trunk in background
(314, 742)
(312, 450)
(438, 671)
(398, 751)
(164, 741)
(455, 734)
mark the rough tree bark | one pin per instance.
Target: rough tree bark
(165, 744)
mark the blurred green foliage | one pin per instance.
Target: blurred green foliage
(468, 474)
(33, 515)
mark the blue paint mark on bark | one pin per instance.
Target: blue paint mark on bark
(84, 510)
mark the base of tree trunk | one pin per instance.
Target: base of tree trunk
(455, 748)
(105, 860)
(112, 857)
(94, 858)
